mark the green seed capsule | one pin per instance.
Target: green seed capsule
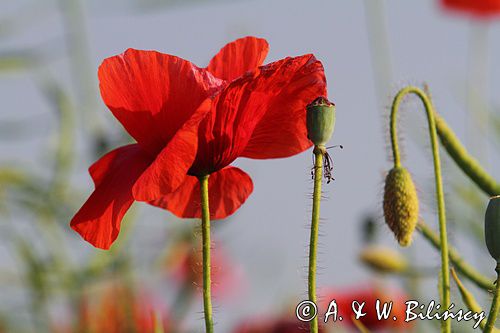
(401, 204)
(320, 121)
(383, 259)
(492, 227)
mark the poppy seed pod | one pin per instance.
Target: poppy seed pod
(400, 204)
(383, 259)
(320, 120)
(492, 227)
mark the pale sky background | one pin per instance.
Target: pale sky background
(268, 236)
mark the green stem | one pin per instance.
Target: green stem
(460, 264)
(205, 227)
(465, 162)
(445, 271)
(495, 305)
(468, 299)
(313, 242)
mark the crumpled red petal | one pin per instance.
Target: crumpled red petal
(171, 166)
(281, 132)
(98, 220)
(153, 94)
(228, 189)
(238, 57)
(260, 115)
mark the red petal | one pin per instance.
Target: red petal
(98, 221)
(483, 8)
(171, 166)
(238, 57)
(152, 94)
(260, 115)
(282, 132)
(228, 189)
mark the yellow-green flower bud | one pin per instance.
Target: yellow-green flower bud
(401, 204)
(492, 227)
(383, 259)
(320, 121)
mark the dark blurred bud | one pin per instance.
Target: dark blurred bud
(369, 229)
(492, 227)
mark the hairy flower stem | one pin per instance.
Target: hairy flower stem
(495, 305)
(313, 242)
(205, 228)
(460, 264)
(445, 271)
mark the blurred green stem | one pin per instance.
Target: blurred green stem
(495, 305)
(158, 323)
(376, 28)
(468, 299)
(73, 13)
(359, 325)
(65, 149)
(460, 264)
(205, 228)
(445, 271)
(478, 88)
(313, 242)
(465, 162)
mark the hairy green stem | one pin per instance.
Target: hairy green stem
(445, 271)
(205, 229)
(313, 242)
(460, 264)
(465, 162)
(495, 305)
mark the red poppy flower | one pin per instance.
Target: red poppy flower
(370, 295)
(481, 8)
(190, 121)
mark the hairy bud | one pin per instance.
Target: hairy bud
(401, 204)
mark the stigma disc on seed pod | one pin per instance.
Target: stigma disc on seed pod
(492, 227)
(320, 120)
(401, 204)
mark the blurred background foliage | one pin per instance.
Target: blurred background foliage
(50, 281)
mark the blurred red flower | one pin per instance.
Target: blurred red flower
(118, 309)
(185, 264)
(481, 8)
(370, 294)
(280, 325)
(190, 121)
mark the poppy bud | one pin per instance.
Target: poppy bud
(383, 259)
(400, 204)
(320, 120)
(492, 227)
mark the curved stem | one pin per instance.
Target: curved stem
(313, 242)
(460, 264)
(495, 305)
(205, 228)
(445, 272)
